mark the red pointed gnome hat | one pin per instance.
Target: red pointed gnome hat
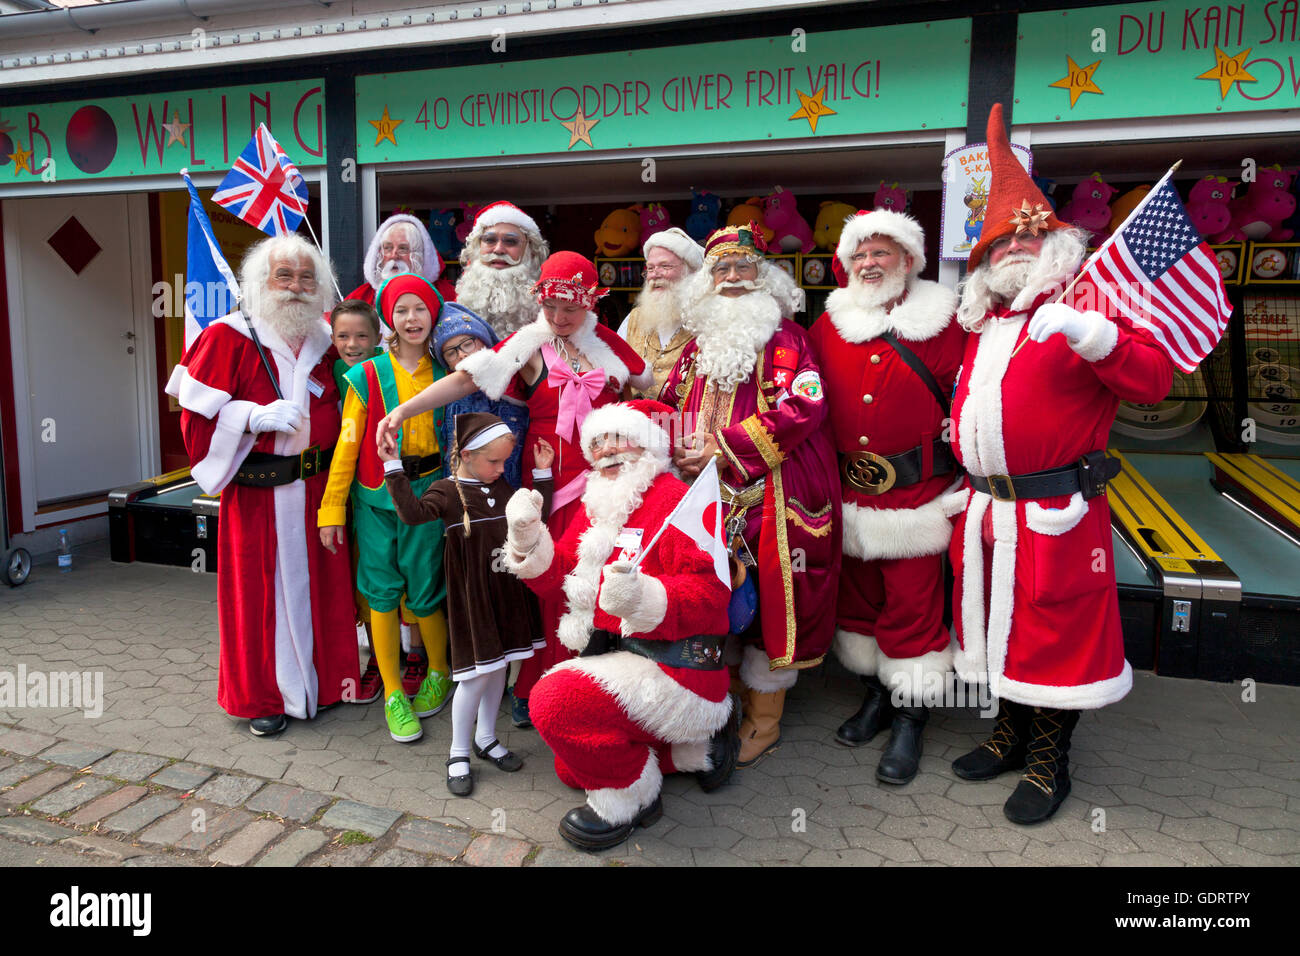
(642, 421)
(571, 277)
(402, 283)
(1015, 206)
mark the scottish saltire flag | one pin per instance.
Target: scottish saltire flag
(264, 187)
(1157, 272)
(211, 289)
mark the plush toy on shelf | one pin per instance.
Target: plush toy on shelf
(751, 210)
(1125, 204)
(1260, 212)
(442, 229)
(703, 220)
(1089, 208)
(617, 235)
(791, 232)
(468, 212)
(830, 223)
(1208, 205)
(889, 197)
(654, 218)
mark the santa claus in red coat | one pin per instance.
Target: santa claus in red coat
(288, 645)
(401, 244)
(1035, 606)
(649, 693)
(889, 349)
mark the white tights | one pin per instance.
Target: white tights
(474, 713)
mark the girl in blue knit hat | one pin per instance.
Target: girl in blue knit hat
(459, 333)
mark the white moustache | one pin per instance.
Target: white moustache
(610, 461)
(749, 284)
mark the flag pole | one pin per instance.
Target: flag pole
(711, 463)
(307, 220)
(1109, 239)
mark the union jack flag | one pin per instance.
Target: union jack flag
(1157, 272)
(264, 188)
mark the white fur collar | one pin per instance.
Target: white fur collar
(314, 346)
(492, 370)
(926, 312)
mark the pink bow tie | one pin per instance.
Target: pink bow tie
(577, 392)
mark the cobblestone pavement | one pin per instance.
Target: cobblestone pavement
(1185, 771)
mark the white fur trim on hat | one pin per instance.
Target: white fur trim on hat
(507, 212)
(622, 419)
(432, 261)
(679, 244)
(899, 226)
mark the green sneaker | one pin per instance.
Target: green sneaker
(402, 723)
(432, 695)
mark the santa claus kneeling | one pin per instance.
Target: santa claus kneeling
(649, 693)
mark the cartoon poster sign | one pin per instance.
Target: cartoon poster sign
(966, 179)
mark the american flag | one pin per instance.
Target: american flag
(1157, 273)
(264, 188)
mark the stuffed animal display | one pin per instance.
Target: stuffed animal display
(705, 209)
(617, 235)
(790, 231)
(830, 223)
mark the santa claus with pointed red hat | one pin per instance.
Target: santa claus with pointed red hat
(646, 612)
(1035, 607)
(889, 349)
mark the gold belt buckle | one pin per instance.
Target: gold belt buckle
(309, 462)
(868, 472)
(1007, 491)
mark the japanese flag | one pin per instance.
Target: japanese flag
(699, 516)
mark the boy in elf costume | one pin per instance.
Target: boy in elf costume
(394, 558)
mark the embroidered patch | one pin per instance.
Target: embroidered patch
(785, 358)
(809, 385)
(629, 540)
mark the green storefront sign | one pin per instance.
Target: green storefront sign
(798, 86)
(158, 132)
(1157, 59)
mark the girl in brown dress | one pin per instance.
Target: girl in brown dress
(492, 616)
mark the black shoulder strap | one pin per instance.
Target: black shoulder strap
(917, 366)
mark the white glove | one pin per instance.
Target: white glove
(1059, 317)
(281, 415)
(621, 589)
(524, 519)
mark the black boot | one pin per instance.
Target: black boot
(1046, 781)
(873, 716)
(902, 756)
(724, 750)
(1003, 751)
(584, 828)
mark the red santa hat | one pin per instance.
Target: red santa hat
(1015, 204)
(867, 224)
(501, 211)
(679, 244)
(642, 422)
(570, 277)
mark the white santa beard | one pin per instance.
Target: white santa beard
(289, 319)
(660, 310)
(397, 267)
(1007, 277)
(730, 333)
(871, 297)
(503, 297)
(610, 499)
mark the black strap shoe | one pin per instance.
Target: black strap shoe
(1046, 781)
(724, 751)
(268, 726)
(902, 757)
(875, 714)
(584, 828)
(463, 784)
(508, 761)
(1004, 750)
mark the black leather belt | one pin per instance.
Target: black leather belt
(1088, 476)
(263, 470)
(416, 466)
(875, 474)
(702, 653)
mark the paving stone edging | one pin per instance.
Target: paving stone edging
(144, 810)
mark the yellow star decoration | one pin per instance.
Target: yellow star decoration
(385, 126)
(1030, 219)
(813, 108)
(1078, 80)
(176, 130)
(1228, 70)
(22, 159)
(579, 129)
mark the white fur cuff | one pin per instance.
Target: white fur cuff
(534, 563)
(858, 652)
(890, 533)
(906, 678)
(691, 757)
(756, 674)
(621, 805)
(1100, 341)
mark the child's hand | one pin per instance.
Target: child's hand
(331, 535)
(543, 454)
(387, 446)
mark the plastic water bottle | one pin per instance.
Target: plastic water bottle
(65, 551)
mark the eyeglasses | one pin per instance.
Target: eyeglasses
(466, 348)
(740, 266)
(509, 240)
(285, 277)
(662, 270)
(389, 249)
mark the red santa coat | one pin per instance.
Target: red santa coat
(772, 429)
(890, 598)
(288, 644)
(612, 719)
(1035, 605)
